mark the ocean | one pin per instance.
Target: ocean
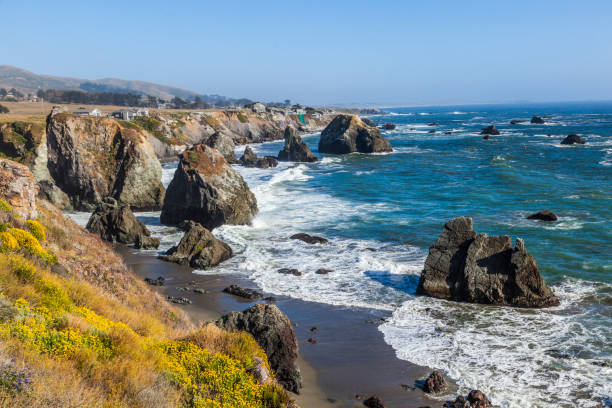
(381, 212)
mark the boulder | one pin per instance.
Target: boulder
(323, 271)
(368, 122)
(490, 130)
(543, 215)
(478, 399)
(373, 402)
(248, 158)
(432, 124)
(572, 139)
(18, 188)
(289, 271)
(115, 222)
(435, 383)
(242, 292)
(144, 242)
(260, 372)
(295, 149)
(272, 330)
(224, 144)
(348, 134)
(198, 248)
(516, 121)
(388, 126)
(309, 239)
(537, 119)
(266, 162)
(460, 402)
(464, 266)
(207, 190)
(91, 158)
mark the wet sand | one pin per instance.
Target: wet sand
(349, 359)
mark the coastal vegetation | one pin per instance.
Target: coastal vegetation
(4, 109)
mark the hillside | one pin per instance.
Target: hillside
(13, 77)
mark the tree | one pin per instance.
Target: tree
(287, 102)
(4, 109)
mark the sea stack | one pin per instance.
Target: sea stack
(295, 149)
(348, 134)
(207, 190)
(469, 267)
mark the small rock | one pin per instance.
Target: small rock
(460, 402)
(537, 120)
(323, 271)
(156, 282)
(543, 215)
(313, 329)
(248, 158)
(448, 133)
(478, 399)
(368, 122)
(312, 340)
(331, 400)
(388, 126)
(289, 271)
(145, 242)
(432, 131)
(200, 291)
(432, 124)
(266, 162)
(490, 130)
(374, 402)
(572, 139)
(270, 299)
(242, 292)
(179, 300)
(309, 239)
(435, 383)
(516, 121)
(182, 289)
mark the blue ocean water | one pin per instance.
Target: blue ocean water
(381, 213)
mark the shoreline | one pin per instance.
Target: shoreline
(350, 357)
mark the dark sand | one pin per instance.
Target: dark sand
(350, 357)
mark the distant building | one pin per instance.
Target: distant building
(87, 112)
(298, 111)
(130, 114)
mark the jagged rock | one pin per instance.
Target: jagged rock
(309, 239)
(18, 188)
(368, 122)
(537, 120)
(155, 282)
(198, 248)
(272, 330)
(144, 242)
(242, 292)
(179, 300)
(224, 144)
(460, 402)
(207, 190)
(373, 402)
(388, 126)
(435, 383)
(248, 158)
(91, 158)
(478, 399)
(266, 162)
(543, 215)
(348, 134)
(115, 222)
(572, 139)
(490, 131)
(52, 193)
(290, 271)
(259, 370)
(19, 141)
(295, 149)
(516, 121)
(463, 266)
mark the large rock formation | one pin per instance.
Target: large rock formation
(115, 222)
(207, 190)
(295, 149)
(537, 119)
(464, 266)
(91, 158)
(250, 159)
(348, 134)
(198, 248)
(223, 144)
(18, 188)
(272, 330)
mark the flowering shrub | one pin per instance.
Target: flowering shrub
(14, 380)
(36, 229)
(29, 243)
(5, 207)
(8, 242)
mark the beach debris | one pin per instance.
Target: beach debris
(295, 149)
(309, 239)
(544, 215)
(373, 402)
(537, 119)
(469, 267)
(272, 330)
(179, 300)
(572, 139)
(289, 271)
(435, 383)
(155, 282)
(242, 292)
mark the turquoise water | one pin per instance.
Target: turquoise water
(382, 212)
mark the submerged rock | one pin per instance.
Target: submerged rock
(516, 121)
(490, 130)
(537, 119)
(572, 139)
(368, 122)
(207, 190)
(309, 239)
(289, 271)
(272, 330)
(323, 271)
(242, 292)
(463, 266)
(198, 248)
(295, 149)
(115, 222)
(435, 383)
(348, 134)
(543, 215)
(156, 282)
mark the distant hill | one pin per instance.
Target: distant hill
(13, 77)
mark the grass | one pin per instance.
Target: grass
(91, 334)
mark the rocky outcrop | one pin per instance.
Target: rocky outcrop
(295, 149)
(309, 239)
(115, 222)
(490, 131)
(544, 215)
(225, 145)
(348, 134)
(537, 119)
(572, 139)
(368, 122)
(207, 190)
(435, 383)
(249, 294)
(272, 330)
(388, 126)
(516, 121)
(19, 140)
(248, 158)
(464, 266)
(18, 188)
(373, 402)
(91, 158)
(198, 248)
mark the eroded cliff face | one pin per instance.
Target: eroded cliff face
(18, 188)
(90, 158)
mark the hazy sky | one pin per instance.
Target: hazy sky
(325, 52)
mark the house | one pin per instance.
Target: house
(87, 112)
(130, 114)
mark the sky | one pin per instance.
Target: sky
(374, 53)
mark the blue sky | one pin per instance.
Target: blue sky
(325, 52)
